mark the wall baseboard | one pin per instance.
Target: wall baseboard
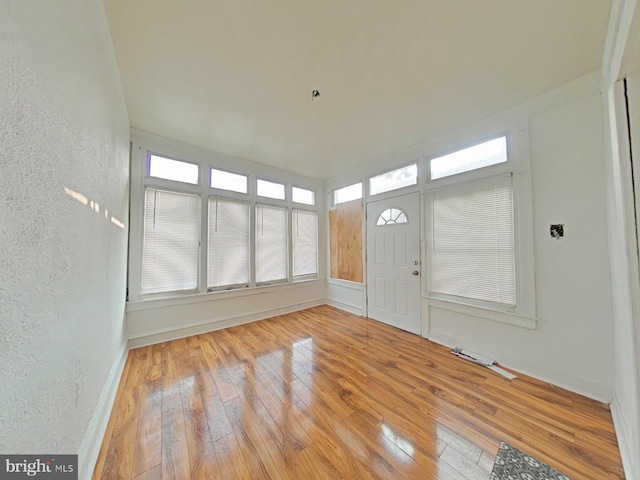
(90, 447)
(204, 327)
(345, 306)
(575, 384)
(624, 443)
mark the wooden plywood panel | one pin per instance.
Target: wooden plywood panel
(345, 239)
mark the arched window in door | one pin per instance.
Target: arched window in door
(392, 216)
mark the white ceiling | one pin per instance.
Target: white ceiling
(236, 76)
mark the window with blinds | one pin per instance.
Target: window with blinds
(170, 243)
(271, 244)
(305, 243)
(472, 245)
(228, 244)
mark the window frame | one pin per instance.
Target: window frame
(144, 145)
(517, 167)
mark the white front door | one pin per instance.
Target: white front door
(393, 261)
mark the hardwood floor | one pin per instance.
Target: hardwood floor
(325, 394)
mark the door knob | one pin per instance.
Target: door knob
(415, 272)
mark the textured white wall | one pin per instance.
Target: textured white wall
(64, 129)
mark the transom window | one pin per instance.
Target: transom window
(400, 178)
(270, 189)
(302, 195)
(346, 194)
(169, 169)
(233, 182)
(392, 216)
(485, 154)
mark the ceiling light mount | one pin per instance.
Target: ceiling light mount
(314, 94)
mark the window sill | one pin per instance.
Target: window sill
(187, 299)
(508, 318)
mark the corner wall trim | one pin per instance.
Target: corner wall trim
(92, 441)
(624, 443)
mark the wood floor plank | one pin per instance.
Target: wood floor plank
(325, 394)
(119, 460)
(149, 440)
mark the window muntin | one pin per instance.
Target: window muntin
(491, 152)
(305, 243)
(302, 195)
(170, 243)
(229, 247)
(270, 189)
(346, 194)
(271, 244)
(392, 216)
(234, 182)
(472, 243)
(168, 169)
(393, 180)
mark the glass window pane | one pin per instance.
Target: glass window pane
(228, 181)
(346, 194)
(270, 189)
(391, 216)
(228, 259)
(302, 195)
(271, 244)
(305, 243)
(479, 156)
(402, 177)
(166, 168)
(170, 242)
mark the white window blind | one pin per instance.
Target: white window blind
(305, 243)
(170, 248)
(472, 249)
(271, 244)
(228, 256)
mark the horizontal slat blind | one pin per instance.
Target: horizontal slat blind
(472, 249)
(271, 244)
(170, 248)
(228, 260)
(305, 243)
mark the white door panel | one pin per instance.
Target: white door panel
(393, 259)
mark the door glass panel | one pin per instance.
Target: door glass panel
(392, 216)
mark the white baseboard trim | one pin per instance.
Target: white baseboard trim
(595, 391)
(167, 335)
(624, 442)
(347, 307)
(90, 447)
